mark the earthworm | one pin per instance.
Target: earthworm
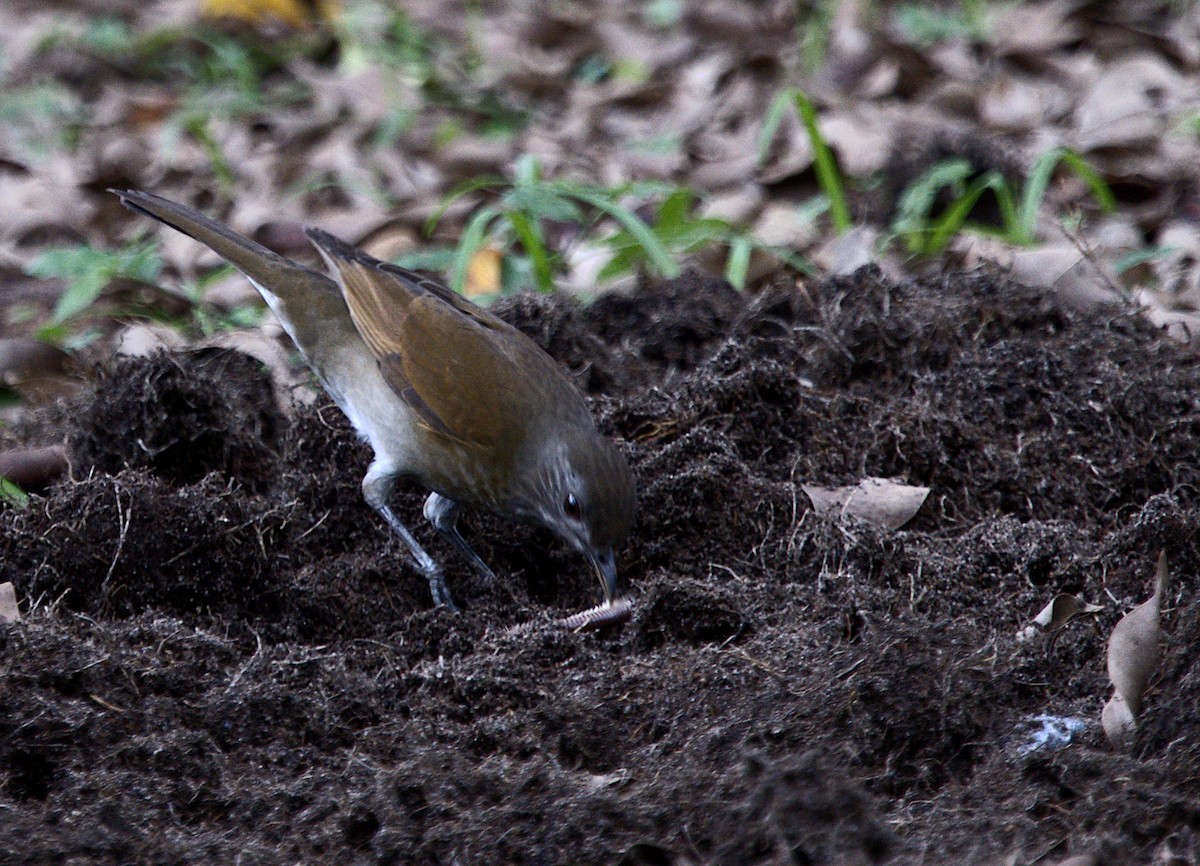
(608, 613)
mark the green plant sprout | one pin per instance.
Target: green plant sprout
(519, 209)
(828, 176)
(41, 119)
(926, 233)
(926, 25)
(87, 271)
(11, 494)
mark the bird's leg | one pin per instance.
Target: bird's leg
(443, 514)
(377, 489)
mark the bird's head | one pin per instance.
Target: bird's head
(586, 495)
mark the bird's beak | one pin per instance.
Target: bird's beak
(605, 563)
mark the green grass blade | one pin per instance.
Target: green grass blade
(738, 264)
(912, 220)
(955, 217)
(774, 116)
(473, 238)
(13, 495)
(1100, 189)
(1039, 181)
(1135, 258)
(825, 165)
(465, 188)
(1034, 192)
(649, 242)
(535, 247)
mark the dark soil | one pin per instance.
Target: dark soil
(227, 658)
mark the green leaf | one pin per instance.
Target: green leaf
(465, 188)
(738, 264)
(1135, 258)
(825, 165)
(774, 116)
(675, 210)
(542, 202)
(86, 271)
(655, 251)
(531, 239)
(527, 170)
(473, 239)
(917, 201)
(1039, 181)
(955, 217)
(440, 260)
(12, 494)
(1100, 189)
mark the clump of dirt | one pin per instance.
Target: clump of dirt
(181, 416)
(225, 653)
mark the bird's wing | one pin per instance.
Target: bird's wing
(452, 362)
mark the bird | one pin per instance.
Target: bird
(443, 391)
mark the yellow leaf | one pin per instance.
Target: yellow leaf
(295, 13)
(483, 273)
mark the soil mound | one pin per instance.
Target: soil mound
(228, 656)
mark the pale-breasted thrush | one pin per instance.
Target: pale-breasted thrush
(443, 391)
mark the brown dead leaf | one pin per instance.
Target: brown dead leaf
(483, 273)
(1033, 28)
(1133, 646)
(1063, 608)
(862, 138)
(35, 370)
(785, 225)
(1128, 105)
(1118, 723)
(1177, 268)
(293, 13)
(737, 205)
(845, 254)
(33, 468)
(1082, 283)
(142, 339)
(1012, 103)
(880, 501)
(9, 610)
(1180, 325)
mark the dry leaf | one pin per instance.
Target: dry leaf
(1177, 267)
(1180, 325)
(846, 253)
(783, 225)
(1128, 105)
(862, 138)
(1118, 722)
(1033, 28)
(33, 468)
(1133, 646)
(143, 339)
(9, 611)
(1078, 281)
(880, 501)
(1063, 608)
(294, 13)
(1132, 656)
(1012, 104)
(483, 273)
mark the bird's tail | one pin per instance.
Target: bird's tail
(309, 303)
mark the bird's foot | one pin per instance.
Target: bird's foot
(441, 593)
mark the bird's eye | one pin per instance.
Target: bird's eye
(571, 507)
